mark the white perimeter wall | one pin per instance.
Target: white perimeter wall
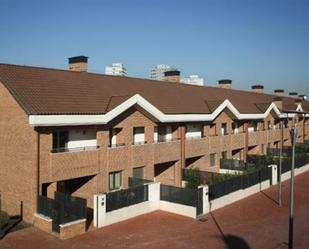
(103, 218)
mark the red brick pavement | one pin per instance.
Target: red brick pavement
(253, 223)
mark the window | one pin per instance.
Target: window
(193, 131)
(213, 131)
(224, 155)
(235, 127)
(139, 135)
(286, 123)
(263, 149)
(113, 132)
(114, 180)
(224, 129)
(60, 140)
(163, 133)
(138, 172)
(269, 126)
(252, 126)
(212, 159)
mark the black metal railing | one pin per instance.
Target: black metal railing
(133, 181)
(234, 164)
(166, 140)
(77, 149)
(139, 143)
(63, 209)
(116, 145)
(185, 196)
(238, 182)
(126, 197)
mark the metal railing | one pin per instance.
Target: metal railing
(116, 145)
(139, 143)
(185, 196)
(234, 164)
(133, 181)
(63, 209)
(126, 197)
(238, 182)
(76, 149)
(166, 140)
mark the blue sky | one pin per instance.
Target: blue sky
(249, 41)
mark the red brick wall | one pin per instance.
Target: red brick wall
(18, 157)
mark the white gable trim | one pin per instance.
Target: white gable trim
(62, 120)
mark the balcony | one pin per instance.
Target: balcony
(166, 151)
(254, 138)
(196, 146)
(238, 141)
(118, 157)
(67, 164)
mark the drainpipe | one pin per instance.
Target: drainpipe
(182, 150)
(38, 165)
(246, 141)
(304, 128)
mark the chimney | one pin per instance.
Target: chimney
(172, 76)
(302, 96)
(78, 63)
(226, 84)
(278, 102)
(279, 92)
(293, 95)
(258, 88)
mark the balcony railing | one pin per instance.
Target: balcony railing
(195, 137)
(139, 143)
(76, 149)
(116, 145)
(166, 141)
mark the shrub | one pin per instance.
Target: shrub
(193, 178)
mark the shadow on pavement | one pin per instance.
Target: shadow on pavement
(270, 198)
(231, 241)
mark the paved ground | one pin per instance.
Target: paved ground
(255, 222)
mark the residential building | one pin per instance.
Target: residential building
(157, 73)
(116, 69)
(82, 134)
(193, 80)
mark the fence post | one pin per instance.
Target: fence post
(99, 210)
(154, 192)
(205, 198)
(274, 174)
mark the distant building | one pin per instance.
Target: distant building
(157, 73)
(116, 69)
(193, 80)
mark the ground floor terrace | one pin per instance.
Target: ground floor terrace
(254, 222)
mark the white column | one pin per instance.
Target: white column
(99, 210)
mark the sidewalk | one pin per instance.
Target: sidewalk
(255, 222)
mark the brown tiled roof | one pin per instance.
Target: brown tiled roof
(52, 91)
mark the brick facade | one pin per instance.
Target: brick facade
(25, 153)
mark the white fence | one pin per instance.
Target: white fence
(103, 218)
